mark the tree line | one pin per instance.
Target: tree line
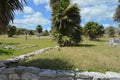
(13, 30)
(66, 18)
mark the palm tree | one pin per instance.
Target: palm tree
(117, 14)
(7, 11)
(66, 23)
(39, 29)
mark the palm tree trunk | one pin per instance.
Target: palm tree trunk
(39, 36)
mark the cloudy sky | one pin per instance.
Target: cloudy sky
(38, 12)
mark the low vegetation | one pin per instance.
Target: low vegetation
(88, 56)
(23, 46)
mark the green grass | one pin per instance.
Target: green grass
(20, 42)
(89, 56)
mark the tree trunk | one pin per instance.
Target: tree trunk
(39, 36)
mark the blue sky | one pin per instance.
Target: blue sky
(39, 12)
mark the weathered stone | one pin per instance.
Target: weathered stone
(30, 76)
(113, 74)
(48, 78)
(32, 70)
(80, 76)
(65, 73)
(48, 73)
(20, 69)
(3, 77)
(1, 69)
(101, 78)
(9, 70)
(14, 77)
(114, 78)
(64, 78)
(114, 42)
(2, 64)
(9, 47)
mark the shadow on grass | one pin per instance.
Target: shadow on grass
(48, 64)
(99, 40)
(6, 52)
(12, 43)
(86, 45)
(102, 41)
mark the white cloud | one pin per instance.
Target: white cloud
(97, 10)
(37, 2)
(28, 10)
(32, 20)
(98, 13)
(48, 7)
(108, 25)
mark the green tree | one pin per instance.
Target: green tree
(45, 33)
(111, 31)
(93, 30)
(7, 12)
(31, 32)
(117, 13)
(11, 30)
(65, 23)
(100, 31)
(17, 32)
(39, 30)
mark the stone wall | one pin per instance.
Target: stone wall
(32, 73)
(14, 60)
(114, 42)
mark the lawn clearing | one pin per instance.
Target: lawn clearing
(89, 56)
(23, 46)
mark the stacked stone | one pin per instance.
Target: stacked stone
(114, 42)
(12, 61)
(32, 73)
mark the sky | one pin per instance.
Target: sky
(39, 12)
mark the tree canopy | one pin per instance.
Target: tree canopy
(117, 13)
(7, 11)
(66, 23)
(93, 30)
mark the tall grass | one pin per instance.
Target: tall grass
(89, 56)
(20, 42)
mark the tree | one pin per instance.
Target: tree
(93, 30)
(111, 31)
(11, 30)
(65, 23)
(117, 13)
(100, 31)
(45, 33)
(39, 29)
(7, 11)
(30, 32)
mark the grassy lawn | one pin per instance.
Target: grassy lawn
(89, 56)
(20, 42)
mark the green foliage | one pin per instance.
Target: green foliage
(66, 23)
(93, 30)
(111, 31)
(7, 11)
(117, 14)
(31, 32)
(39, 29)
(45, 33)
(11, 30)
